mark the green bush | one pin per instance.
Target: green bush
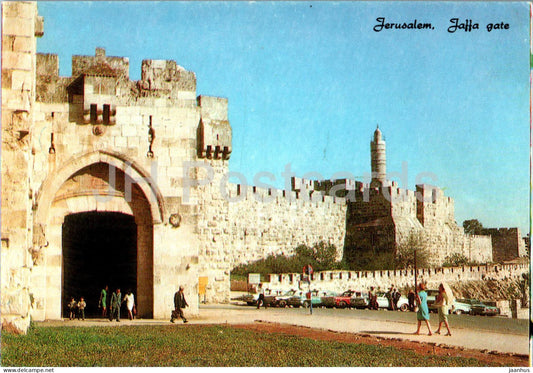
(321, 257)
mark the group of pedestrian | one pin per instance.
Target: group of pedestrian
(419, 302)
(392, 295)
(442, 302)
(111, 309)
(76, 309)
(372, 299)
(115, 303)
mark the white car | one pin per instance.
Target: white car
(383, 302)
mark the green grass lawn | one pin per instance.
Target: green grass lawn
(196, 345)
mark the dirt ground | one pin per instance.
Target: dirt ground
(490, 357)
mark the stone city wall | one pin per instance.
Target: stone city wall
(339, 281)
(507, 243)
(387, 217)
(249, 223)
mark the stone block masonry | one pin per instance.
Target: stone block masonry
(102, 144)
(339, 281)
(154, 156)
(20, 26)
(507, 243)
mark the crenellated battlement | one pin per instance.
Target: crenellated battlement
(362, 280)
(501, 231)
(102, 75)
(240, 192)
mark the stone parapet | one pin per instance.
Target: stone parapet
(339, 281)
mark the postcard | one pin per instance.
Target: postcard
(307, 164)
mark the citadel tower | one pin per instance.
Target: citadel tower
(378, 159)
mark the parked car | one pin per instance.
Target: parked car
(458, 307)
(480, 308)
(251, 299)
(461, 306)
(302, 300)
(383, 302)
(282, 300)
(431, 299)
(345, 299)
(362, 301)
(328, 300)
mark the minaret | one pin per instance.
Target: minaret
(378, 160)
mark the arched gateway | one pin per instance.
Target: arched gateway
(94, 226)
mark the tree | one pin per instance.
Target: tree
(457, 260)
(473, 226)
(321, 256)
(405, 252)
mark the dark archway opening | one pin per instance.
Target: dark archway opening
(99, 248)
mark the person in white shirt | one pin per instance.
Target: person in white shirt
(130, 304)
(261, 298)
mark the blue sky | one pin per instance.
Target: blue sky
(307, 82)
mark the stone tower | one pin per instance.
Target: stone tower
(378, 159)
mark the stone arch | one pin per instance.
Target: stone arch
(56, 200)
(131, 168)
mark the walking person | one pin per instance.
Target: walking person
(81, 308)
(130, 303)
(261, 298)
(423, 310)
(102, 303)
(443, 302)
(179, 304)
(114, 306)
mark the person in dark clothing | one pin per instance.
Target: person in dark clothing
(411, 300)
(179, 304)
(390, 298)
(116, 301)
(395, 298)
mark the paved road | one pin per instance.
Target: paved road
(474, 332)
(508, 335)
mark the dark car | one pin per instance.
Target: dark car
(480, 308)
(282, 300)
(361, 302)
(251, 299)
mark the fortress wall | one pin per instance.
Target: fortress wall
(20, 27)
(143, 122)
(338, 281)
(369, 224)
(479, 248)
(250, 223)
(507, 243)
